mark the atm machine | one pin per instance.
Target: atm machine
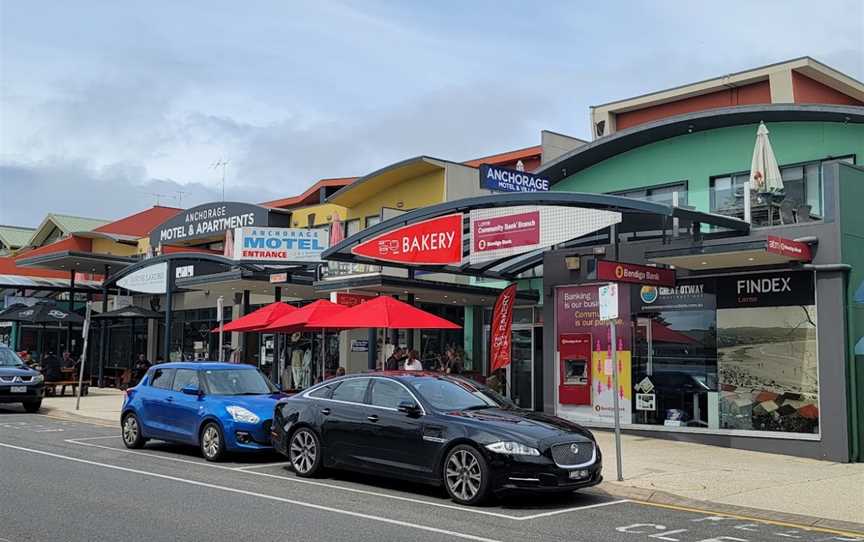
(574, 350)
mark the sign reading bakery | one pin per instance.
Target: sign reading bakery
(437, 241)
(794, 250)
(635, 274)
(211, 220)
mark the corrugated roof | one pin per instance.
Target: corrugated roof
(15, 236)
(140, 224)
(310, 193)
(505, 157)
(70, 224)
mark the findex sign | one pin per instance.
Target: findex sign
(510, 180)
(437, 241)
(636, 274)
(209, 220)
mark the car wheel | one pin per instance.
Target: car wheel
(131, 432)
(33, 406)
(304, 453)
(212, 442)
(466, 475)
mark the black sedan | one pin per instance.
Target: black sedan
(19, 383)
(436, 429)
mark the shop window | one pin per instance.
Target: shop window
(802, 187)
(352, 226)
(372, 220)
(658, 194)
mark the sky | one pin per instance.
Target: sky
(107, 107)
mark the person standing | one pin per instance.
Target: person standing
(68, 360)
(412, 363)
(393, 360)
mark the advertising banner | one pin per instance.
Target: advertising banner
(152, 279)
(502, 324)
(501, 232)
(577, 310)
(503, 179)
(437, 241)
(287, 245)
(633, 273)
(789, 248)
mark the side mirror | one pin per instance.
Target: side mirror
(409, 407)
(192, 390)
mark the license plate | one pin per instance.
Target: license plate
(18, 389)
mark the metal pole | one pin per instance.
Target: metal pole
(103, 324)
(71, 307)
(614, 340)
(220, 308)
(169, 308)
(85, 332)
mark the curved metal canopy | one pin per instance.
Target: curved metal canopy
(636, 216)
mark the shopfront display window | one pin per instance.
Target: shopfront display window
(732, 353)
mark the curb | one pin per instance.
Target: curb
(666, 499)
(75, 416)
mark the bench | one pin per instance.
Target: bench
(51, 387)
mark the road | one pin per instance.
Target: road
(73, 481)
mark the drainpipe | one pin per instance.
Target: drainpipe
(851, 373)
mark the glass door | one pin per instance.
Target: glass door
(520, 376)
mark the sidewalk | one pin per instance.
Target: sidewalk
(667, 472)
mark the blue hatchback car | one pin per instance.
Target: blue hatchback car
(221, 407)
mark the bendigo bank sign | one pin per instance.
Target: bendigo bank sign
(432, 242)
(637, 274)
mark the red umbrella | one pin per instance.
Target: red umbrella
(306, 318)
(258, 320)
(386, 313)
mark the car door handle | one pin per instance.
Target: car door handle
(169, 399)
(325, 411)
(372, 418)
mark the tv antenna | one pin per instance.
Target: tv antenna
(180, 197)
(158, 197)
(221, 163)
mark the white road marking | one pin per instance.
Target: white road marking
(255, 494)
(574, 509)
(90, 438)
(294, 479)
(262, 465)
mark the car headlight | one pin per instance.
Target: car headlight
(240, 414)
(37, 379)
(512, 448)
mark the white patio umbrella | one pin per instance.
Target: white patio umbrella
(764, 171)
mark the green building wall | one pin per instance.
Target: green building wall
(697, 157)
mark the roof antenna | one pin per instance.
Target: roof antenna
(223, 163)
(180, 197)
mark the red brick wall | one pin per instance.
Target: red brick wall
(809, 91)
(755, 93)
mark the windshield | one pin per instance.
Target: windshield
(457, 394)
(8, 358)
(237, 382)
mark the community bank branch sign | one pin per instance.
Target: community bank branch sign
(209, 220)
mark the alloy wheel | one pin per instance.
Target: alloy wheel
(463, 475)
(130, 430)
(210, 441)
(303, 451)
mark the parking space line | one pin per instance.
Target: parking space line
(574, 509)
(360, 515)
(90, 438)
(751, 518)
(262, 465)
(359, 491)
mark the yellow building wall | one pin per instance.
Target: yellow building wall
(300, 217)
(143, 245)
(413, 193)
(106, 246)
